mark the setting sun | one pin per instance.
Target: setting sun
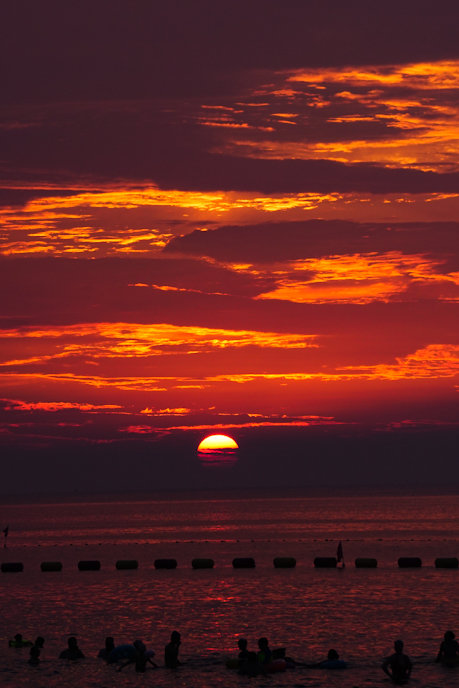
(216, 442)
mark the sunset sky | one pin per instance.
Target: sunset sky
(229, 217)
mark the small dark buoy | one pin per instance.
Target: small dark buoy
(409, 562)
(243, 563)
(446, 563)
(12, 566)
(325, 562)
(51, 566)
(165, 563)
(89, 565)
(124, 564)
(365, 563)
(284, 562)
(202, 563)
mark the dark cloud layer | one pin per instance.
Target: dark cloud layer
(145, 145)
(104, 49)
(278, 241)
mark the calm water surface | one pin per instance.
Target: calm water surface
(359, 612)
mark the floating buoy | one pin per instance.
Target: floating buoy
(202, 563)
(12, 567)
(124, 564)
(447, 563)
(51, 566)
(409, 562)
(165, 563)
(89, 565)
(325, 562)
(284, 562)
(365, 563)
(243, 563)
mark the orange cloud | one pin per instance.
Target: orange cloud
(281, 423)
(358, 278)
(52, 406)
(166, 411)
(442, 74)
(414, 108)
(433, 361)
(130, 340)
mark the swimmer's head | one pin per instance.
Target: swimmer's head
(332, 654)
(139, 645)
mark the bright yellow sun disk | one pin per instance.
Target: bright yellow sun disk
(213, 442)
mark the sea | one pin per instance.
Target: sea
(360, 612)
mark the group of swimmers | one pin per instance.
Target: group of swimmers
(135, 653)
(398, 666)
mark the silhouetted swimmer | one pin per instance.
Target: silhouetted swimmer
(72, 651)
(398, 666)
(141, 658)
(18, 641)
(34, 659)
(171, 651)
(106, 651)
(243, 655)
(449, 650)
(333, 661)
(264, 653)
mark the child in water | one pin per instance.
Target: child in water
(264, 652)
(449, 650)
(19, 641)
(73, 651)
(141, 658)
(171, 651)
(34, 659)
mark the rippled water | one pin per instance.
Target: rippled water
(358, 611)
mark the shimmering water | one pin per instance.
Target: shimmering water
(360, 612)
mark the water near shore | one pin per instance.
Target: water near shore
(357, 611)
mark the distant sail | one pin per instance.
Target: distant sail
(339, 552)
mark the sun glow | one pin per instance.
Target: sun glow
(217, 443)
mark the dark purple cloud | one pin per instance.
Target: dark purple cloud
(110, 48)
(280, 241)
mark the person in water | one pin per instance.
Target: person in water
(18, 641)
(141, 658)
(72, 651)
(332, 662)
(34, 659)
(243, 655)
(449, 649)
(106, 651)
(264, 653)
(398, 666)
(171, 651)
